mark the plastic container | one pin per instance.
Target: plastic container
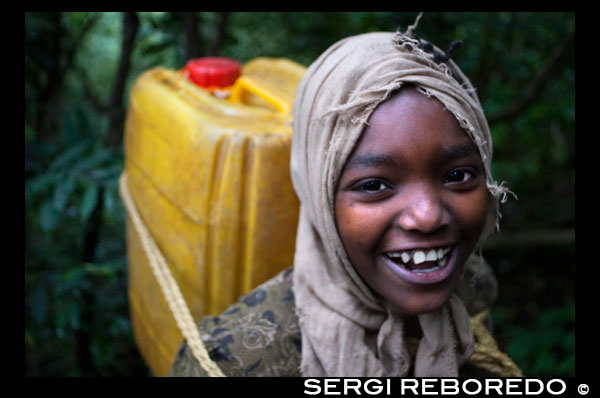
(210, 179)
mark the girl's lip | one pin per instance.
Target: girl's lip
(408, 247)
(424, 278)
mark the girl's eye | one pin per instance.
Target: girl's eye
(372, 186)
(459, 176)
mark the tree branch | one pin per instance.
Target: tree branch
(193, 46)
(534, 238)
(115, 106)
(45, 117)
(486, 58)
(51, 94)
(537, 84)
(218, 40)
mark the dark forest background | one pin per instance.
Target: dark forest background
(80, 66)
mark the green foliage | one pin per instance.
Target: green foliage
(72, 180)
(59, 203)
(546, 345)
(70, 64)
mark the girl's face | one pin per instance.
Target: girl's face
(411, 202)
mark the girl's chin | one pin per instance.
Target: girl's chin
(421, 305)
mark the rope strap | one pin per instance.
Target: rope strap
(169, 286)
(487, 355)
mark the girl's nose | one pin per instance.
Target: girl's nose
(422, 210)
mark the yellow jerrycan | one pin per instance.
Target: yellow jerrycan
(210, 180)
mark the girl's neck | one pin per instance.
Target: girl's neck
(412, 328)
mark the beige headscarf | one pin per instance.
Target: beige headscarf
(346, 330)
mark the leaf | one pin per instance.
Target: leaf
(48, 216)
(39, 185)
(94, 160)
(102, 270)
(71, 283)
(88, 202)
(62, 192)
(68, 156)
(109, 198)
(155, 48)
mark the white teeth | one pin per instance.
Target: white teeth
(405, 257)
(418, 257)
(431, 256)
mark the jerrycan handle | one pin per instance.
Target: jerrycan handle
(247, 84)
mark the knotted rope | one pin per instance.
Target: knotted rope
(169, 286)
(487, 355)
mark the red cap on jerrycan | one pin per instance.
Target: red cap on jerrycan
(213, 71)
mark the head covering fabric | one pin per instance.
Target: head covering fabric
(346, 329)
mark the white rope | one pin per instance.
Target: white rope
(169, 286)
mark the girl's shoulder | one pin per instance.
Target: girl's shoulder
(259, 335)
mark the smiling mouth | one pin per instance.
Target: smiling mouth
(421, 261)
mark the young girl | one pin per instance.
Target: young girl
(391, 161)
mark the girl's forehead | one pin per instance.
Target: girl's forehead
(410, 119)
(408, 104)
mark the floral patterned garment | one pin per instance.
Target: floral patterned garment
(259, 335)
